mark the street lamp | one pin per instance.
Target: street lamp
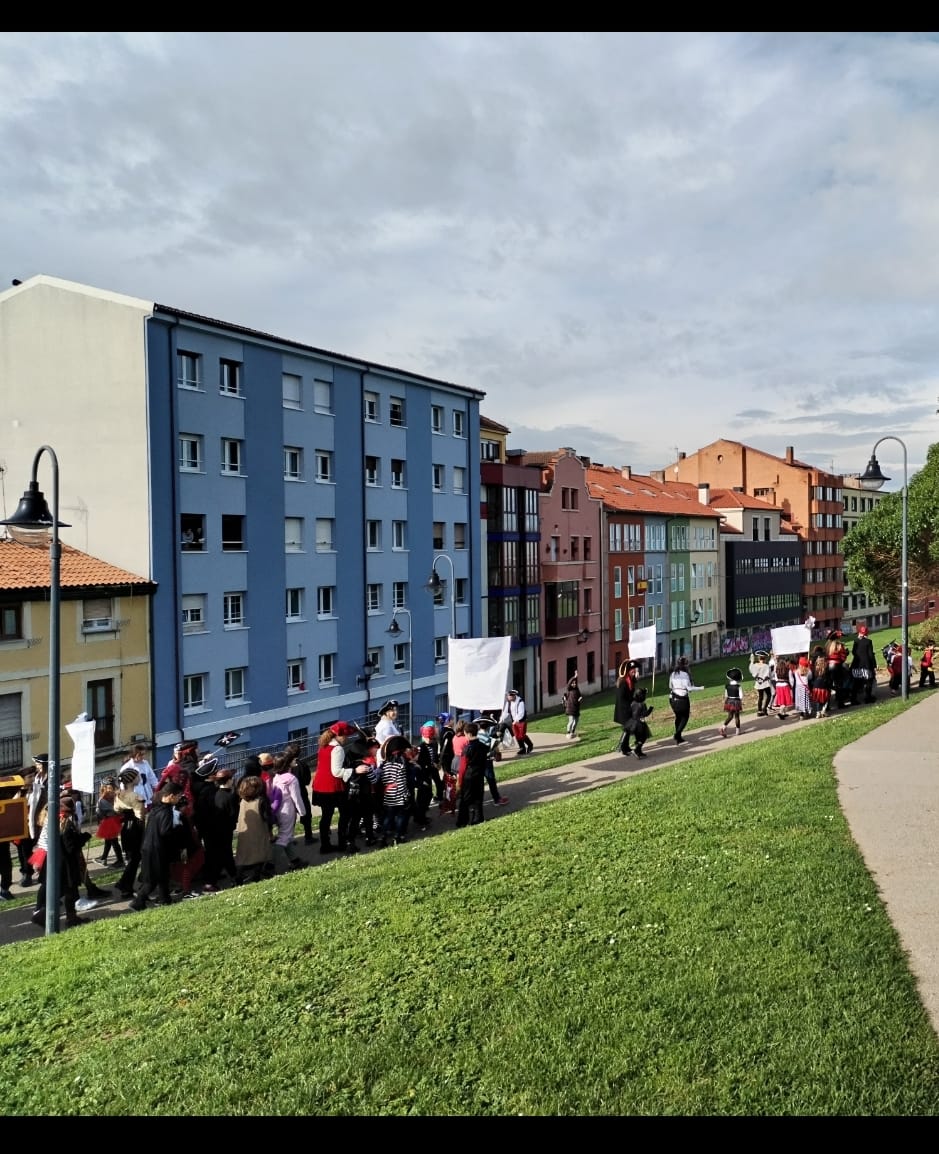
(31, 525)
(872, 479)
(394, 630)
(434, 583)
(364, 678)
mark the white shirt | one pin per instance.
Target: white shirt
(680, 683)
(517, 709)
(386, 728)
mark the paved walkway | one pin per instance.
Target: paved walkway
(888, 786)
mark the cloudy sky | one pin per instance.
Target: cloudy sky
(633, 243)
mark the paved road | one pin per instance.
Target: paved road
(888, 785)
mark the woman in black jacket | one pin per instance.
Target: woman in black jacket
(625, 691)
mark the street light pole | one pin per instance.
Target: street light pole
(394, 629)
(873, 478)
(434, 585)
(31, 525)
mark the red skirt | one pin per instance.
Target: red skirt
(820, 696)
(110, 827)
(784, 695)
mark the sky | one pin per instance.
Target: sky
(633, 243)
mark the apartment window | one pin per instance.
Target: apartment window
(296, 676)
(396, 411)
(327, 665)
(100, 706)
(441, 597)
(399, 535)
(438, 475)
(190, 453)
(234, 686)
(323, 396)
(373, 534)
(766, 528)
(324, 466)
(189, 370)
(11, 623)
(397, 474)
(373, 598)
(292, 394)
(374, 657)
(192, 532)
(97, 615)
(436, 418)
(617, 581)
(438, 540)
(588, 548)
(399, 595)
(326, 601)
(324, 534)
(229, 377)
(617, 624)
(293, 534)
(233, 610)
(575, 548)
(459, 425)
(462, 586)
(755, 522)
(293, 463)
(193, 612)
(294, 604)
(371, 471)
(231, 456)
(440, 650)
(459, 479)
(194, 692)
(401, 656)
(588, 600)
(233, 532)
(370, 409)
(459, 535)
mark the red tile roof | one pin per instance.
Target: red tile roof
(642, 494)
(27, 567)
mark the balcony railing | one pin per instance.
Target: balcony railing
(11, 752)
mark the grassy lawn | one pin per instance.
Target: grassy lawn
(700, 940)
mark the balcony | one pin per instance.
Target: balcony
(11, 752)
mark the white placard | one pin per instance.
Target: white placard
(479, 672)
(82, 733)
(791, 639)
(642, 643)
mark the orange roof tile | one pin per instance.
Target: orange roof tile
(642, 494)
(26, 567)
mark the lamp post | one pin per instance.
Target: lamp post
(433, 584)
(31, 525)
(394, 630)
(871, 479)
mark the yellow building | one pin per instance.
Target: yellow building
(105, 654)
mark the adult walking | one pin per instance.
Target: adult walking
(863, 667)
(927, 675)
(329, 788)
(762, 681)
(625, 692)
(520, 723)
(680, 686)
(572, 699)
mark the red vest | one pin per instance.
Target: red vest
(323, 780)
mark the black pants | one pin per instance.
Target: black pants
(927, 675)
(328, 804)
(681, 707)
(763, 699)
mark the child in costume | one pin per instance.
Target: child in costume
(733, 700)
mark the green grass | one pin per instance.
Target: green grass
(700, 940)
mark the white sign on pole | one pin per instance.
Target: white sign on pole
(791, 639)
(642, 643)
(479, 672)
(82, 733)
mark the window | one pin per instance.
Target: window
(374, 657)
(193, 611)
(575, 548)
(397, 474)
(440, 593)
(326, 601)
(323, 396)
(188, 370)
(440, 650)
(233, 611)
(324, 534)
(373, 534)
(292, 394)
(399, 535)
(437, 539)
(324, 466)
(766, 532)
(617, 624)
(234, 686)
(11, 623)
(327, 665)
(438, 477)
(399, 595)
(100, 706)
(462, 585)
(396, 411)
(459, 479)
(294, 604)
(231, 456)
(293, 463)
(97, 615)
(617, 582)
(293, 534)
(229, 377)
(296, 676)
(373, 598)
(459, 425)
(194, 692)
(436, 418)
(588, 548)
(190, 453)
(401, 656)
(372, 476)
(459, 535)
(370, 409)
(192, 532)
(233, 532)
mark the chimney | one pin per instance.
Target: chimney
(658, 475)
(627, 472)
(790, 454)
(682, 456)
(704, 492)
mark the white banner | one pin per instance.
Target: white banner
(791, 639)
(479, 672)
(642, 643)
(82, 733)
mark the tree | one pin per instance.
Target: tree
(873, 549)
